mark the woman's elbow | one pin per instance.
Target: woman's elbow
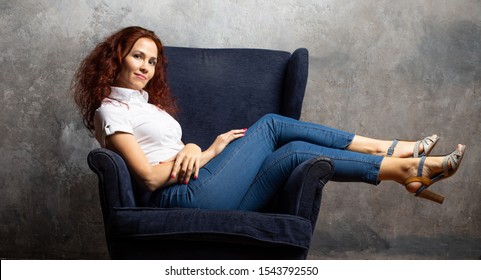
(153, 182)
(147, 180)
(154, 177)
(150, 185)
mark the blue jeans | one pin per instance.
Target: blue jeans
(249, 172)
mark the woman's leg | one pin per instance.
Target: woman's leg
(287, 130)
(349, 167)
(380, 147)
(223, 182)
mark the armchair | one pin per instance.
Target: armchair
(217, 90)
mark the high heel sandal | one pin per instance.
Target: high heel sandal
(454, 158)
(428, 145)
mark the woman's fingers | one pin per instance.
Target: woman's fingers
(196, 168)
(177, 166)
(234, 134)
(224, 139)
(182, 168)
(186, 164)
(187, 161)
(187, 170)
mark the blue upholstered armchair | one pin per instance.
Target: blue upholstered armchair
(217, 90)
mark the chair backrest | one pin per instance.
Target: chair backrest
(222, 89)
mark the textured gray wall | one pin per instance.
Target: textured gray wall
(385, 69)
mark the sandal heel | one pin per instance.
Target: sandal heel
(450, 165)
(427, 194)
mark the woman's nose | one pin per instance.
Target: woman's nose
(143, 68)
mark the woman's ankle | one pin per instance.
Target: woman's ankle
(369, 146)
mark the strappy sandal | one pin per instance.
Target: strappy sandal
(428, 145)
(453, 158)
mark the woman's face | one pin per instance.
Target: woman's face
(139, 65)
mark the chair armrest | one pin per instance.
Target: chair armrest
(210, 225)
(303, 190)
(115, 183)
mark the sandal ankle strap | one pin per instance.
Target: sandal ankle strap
(390, 151)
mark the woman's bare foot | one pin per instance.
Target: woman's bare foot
(433, 166)
(406, 149)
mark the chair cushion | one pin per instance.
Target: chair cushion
(211, 225)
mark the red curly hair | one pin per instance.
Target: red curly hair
(100, 69)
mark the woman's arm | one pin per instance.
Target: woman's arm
(152, 176)
(187, 162)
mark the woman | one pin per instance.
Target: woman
(123, 96)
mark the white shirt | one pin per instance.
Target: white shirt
(158, 133)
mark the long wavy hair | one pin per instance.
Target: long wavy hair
(101, 68)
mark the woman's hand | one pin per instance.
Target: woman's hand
(187, 163)
(190, 159)
(224, 139)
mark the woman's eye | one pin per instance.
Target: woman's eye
(137, 56)
(153, 62)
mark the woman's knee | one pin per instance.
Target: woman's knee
(269, 117)
(296, 152)
(296, 146)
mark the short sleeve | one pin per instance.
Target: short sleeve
(109, 119)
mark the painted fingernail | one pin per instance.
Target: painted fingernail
(172, 176)
(245, 128)
(185, 183)
(195, 177)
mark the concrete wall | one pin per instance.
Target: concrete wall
(385, 69)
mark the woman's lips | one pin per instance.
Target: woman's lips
(140, 76)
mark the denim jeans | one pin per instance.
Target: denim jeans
(248, 173)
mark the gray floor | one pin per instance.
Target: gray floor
(403, 248)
